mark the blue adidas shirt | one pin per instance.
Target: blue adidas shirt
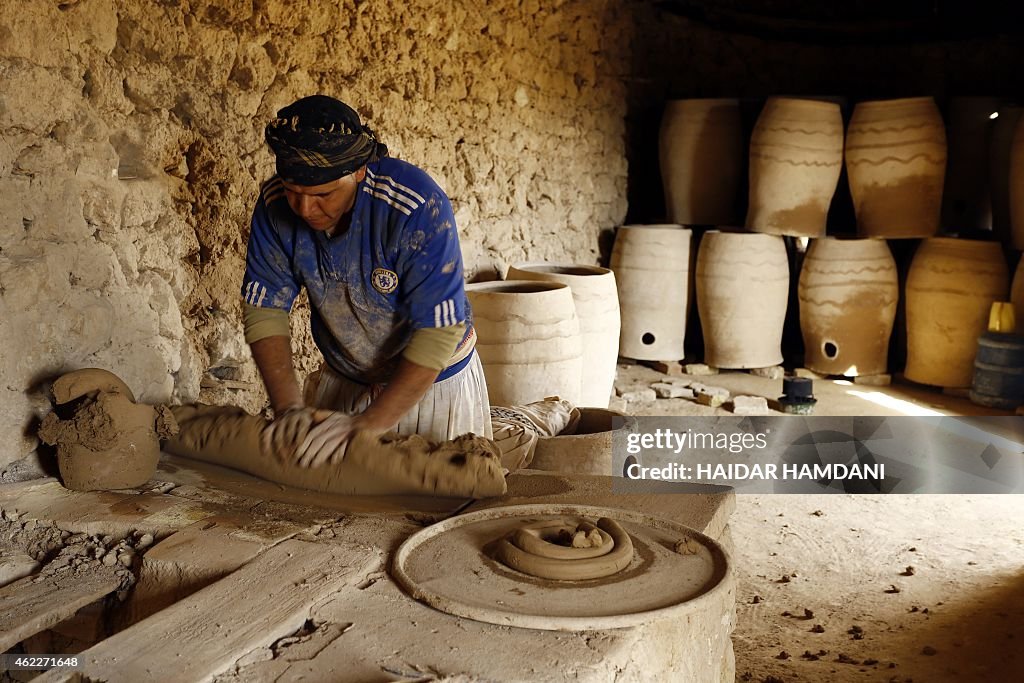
(396, 269)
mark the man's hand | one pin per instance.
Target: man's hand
(309, 437)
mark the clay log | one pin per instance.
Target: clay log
(388, 464)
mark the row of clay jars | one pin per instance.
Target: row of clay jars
(741, 282)
(848, 294)
(895, 154)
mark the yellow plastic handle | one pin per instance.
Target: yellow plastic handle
(1001, 317)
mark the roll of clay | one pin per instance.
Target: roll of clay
(950, 289)
(652, 272)
(528, 340)
(597, 307)
(108, 441)
(896, 163)
(796, 155)
(742, 292)
(848, 291)
(700, 150)
(1000, 152)
(468, 466)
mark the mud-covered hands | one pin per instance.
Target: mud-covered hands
(309, 437)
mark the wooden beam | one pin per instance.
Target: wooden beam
(206, 633)
(36, 603)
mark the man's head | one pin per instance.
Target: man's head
(322, 150)
(322, 206)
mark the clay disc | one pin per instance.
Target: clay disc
(449, 566)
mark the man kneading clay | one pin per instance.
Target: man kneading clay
(374, 242)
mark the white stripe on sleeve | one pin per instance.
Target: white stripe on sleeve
(387, 200)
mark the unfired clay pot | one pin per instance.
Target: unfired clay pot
(109, 442)
(700, 149)
(796, 155)
(528, 340)
(597, 307)
(652, 270)
(848, 292)
(950, 289)
(742, 292)
(896, 163)
(588, 450)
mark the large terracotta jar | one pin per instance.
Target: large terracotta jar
(848, 291)
(700, 149)
(896, 163)
(528, 340)
(742, 291)
(597, 307)
(950, 289)
(796, 155)
(652, 269)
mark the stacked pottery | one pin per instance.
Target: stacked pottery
(999, 171)
(528, 340)
(597, 307)
(1016, 188)
(966, 195)
(796, 155)
(742, 290)
(848, 292)
(950, 290)
(896, 163)
(652, 270)
(700, 147)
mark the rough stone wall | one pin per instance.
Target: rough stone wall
(131, 153)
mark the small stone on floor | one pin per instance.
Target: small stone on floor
(671, 390)
(699, 369)
(750, 405)
(773, 372)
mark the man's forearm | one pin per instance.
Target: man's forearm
(408, 385)
(273, 356)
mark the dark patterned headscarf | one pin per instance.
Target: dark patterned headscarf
(319, 139)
